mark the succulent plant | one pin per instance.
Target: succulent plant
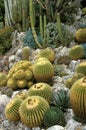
(21, 95)
(68, 83)
(21, 83)
(11, 83)
(12, 109)
(76, 52)
(81, 68)
(29, 84)
(20, 74)
(77, 99)
(9, 92)
(54, 116)
(32, 111)
(43, 71)
(47, 53)
(41, 89)
(80, 35)
(25, 53)
(3, 79)
(28, 75)
(61, 99)
(41, 59)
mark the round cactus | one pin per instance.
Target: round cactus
(3, 79)
(47, 53)
(41, 89)
(20, 74)
(54, 116)
(81, 68)
(80, 35)
(28, 75)
(11, 110)
(78, 99)
(11, 83)
(32, 111)
(68, 83)
(76, 52)
(22, 83)
(21, 95)
(43, 71)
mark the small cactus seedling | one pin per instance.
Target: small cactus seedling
(25, 53)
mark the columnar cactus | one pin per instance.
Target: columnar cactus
(78, 99)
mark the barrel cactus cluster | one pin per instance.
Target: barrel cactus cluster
(3, 79)
(20, 75)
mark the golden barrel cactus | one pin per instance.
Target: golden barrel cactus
(3, 79)
(80, 35)
(41, 89)
(47, 53)
(43, 71)
(32, 111)
(81, 68)
(12, 109)
(78, 99)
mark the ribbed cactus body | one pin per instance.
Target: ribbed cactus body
(11, 110)
(43, 71)
(47, 53)
(78, 99)
(41, 89)
(3, 79)
(76, 52)
(11, 83)
(80, 35)
(32, 111)
(22, 83)
(81, 68)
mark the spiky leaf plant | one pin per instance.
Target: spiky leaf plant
(54, 116)
(76, 52)
(32, 111)
(78, 99)
(11, 83)
(41, 89)
(12, 109)
(81, 68)
(61, 99)
(47, 53)
(22, 83)
(3, 79)
(80, 35)
(20, 74)
(43, 71)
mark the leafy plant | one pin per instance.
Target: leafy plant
(54, 116)
(61, 99)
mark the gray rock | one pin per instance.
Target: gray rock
(11, 58)
(56, 127)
